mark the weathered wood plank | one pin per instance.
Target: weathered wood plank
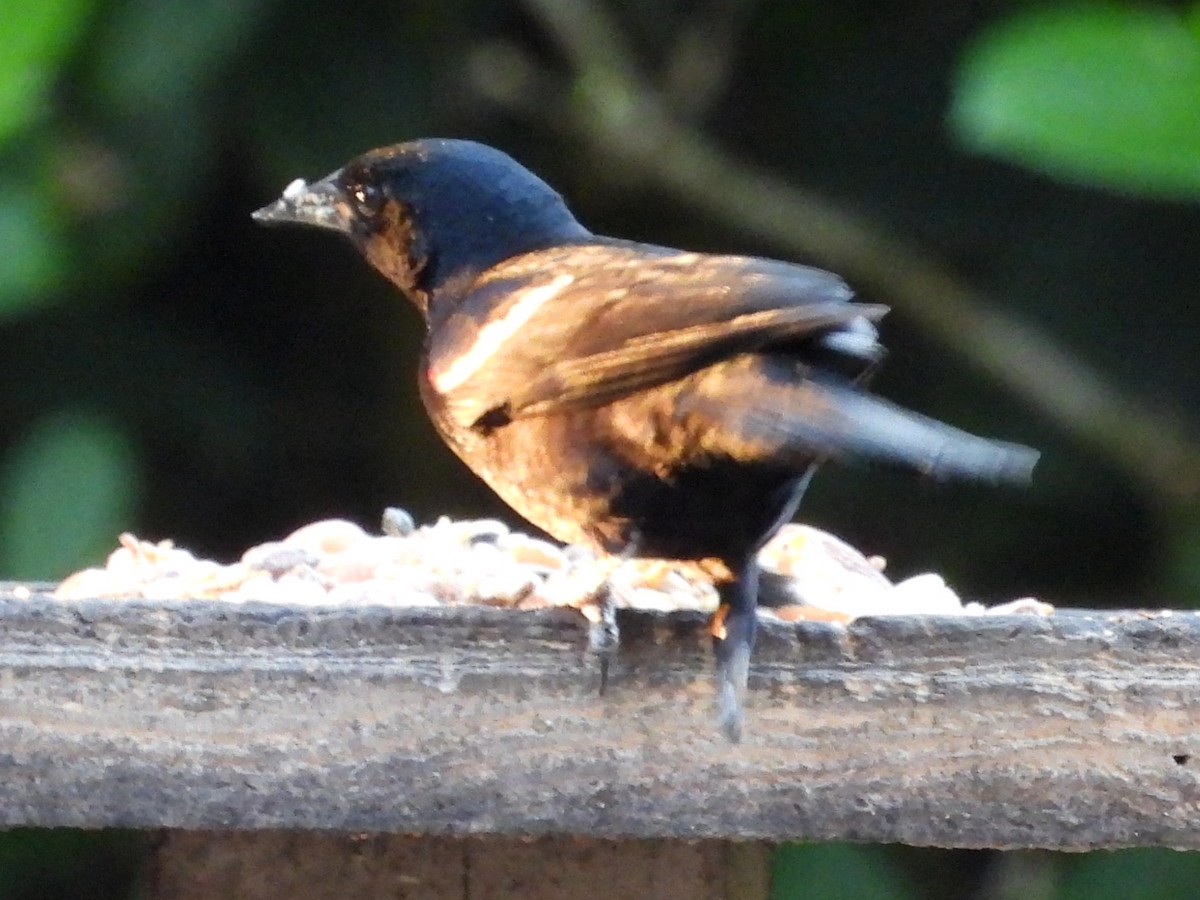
(267, 865)
(1074, 731)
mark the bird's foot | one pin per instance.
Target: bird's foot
(603, 634)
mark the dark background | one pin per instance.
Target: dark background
(171, 369)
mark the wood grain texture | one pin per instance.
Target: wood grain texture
(1068, 732)
(268, 865)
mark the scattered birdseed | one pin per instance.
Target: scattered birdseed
(335, 562)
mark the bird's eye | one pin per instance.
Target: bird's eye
(368, 199)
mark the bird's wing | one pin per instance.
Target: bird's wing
(580, 326)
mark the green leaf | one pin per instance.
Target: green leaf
(34, 257)
(834, 872)
(1098, 94)
(35, 37)
(66, 491)
(1193, 20)
(1151, 874)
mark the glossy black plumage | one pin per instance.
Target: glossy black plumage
(634, 398)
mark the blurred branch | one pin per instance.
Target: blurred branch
(625, 121)
(699, 64)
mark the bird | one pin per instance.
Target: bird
(639, 400)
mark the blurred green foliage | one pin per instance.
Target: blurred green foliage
(35, 263)
(69, 864)
(1100, 93)
(835, 872)
(170, 369)
(67, 488)
(37, 40)
(1150, 874)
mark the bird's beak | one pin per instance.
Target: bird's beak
(321, 204)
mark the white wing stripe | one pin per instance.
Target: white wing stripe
(492, 335)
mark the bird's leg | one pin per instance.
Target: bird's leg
(603, 634)
(734, 627)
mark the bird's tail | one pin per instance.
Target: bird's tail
(782, 413)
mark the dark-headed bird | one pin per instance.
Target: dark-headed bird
(636, 399)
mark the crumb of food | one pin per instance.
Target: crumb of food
(335, 562)
(294, 189)
(1022, 606)
(832, 581)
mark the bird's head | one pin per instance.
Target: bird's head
(432, 214)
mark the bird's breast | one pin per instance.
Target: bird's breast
(627, 476)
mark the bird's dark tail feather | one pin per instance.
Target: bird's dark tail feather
(836, 420)
(856, 424)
